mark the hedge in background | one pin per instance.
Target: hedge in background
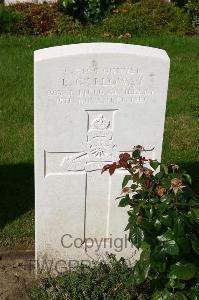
(192, 8)
(88, 10)
(9, 19)
(45, 19)
(147, 17)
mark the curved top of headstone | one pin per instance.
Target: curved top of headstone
(99, 48)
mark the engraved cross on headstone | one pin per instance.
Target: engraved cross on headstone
(100, 149)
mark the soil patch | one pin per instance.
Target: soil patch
(16, 273)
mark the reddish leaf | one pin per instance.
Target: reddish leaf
(105, 168)
(112, 168)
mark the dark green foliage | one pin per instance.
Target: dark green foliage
(88, 10)
(111, 280)
(192, 8)
(163, 225)
(147, 17)
(114, 19)
(180, 3)
(9, 19)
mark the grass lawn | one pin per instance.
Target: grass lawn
(181, 138)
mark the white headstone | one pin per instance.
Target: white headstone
(92, 102)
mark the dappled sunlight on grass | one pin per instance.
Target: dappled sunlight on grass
(180, 132)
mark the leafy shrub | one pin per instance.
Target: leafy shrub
(192, 8)
(126, 20)
(163, 224)
(104, 281)
(147, 17)
(9, 19)
(44, 19)
(38, 18)
(67, 25)
(88, 10)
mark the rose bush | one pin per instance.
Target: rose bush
(163, 223)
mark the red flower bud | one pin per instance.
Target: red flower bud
(124, 156)
(123, 163)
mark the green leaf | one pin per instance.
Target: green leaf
(194, 202)
(146, 251)
(136, 154)
(195, 244)
(184, 244)
(176, 283)
(158, 254)
(168, 243)
(166, 199)
(180, 285)
(134, 187)
(171, 247)
(182, 270)
(167, 236)
(166, 183)
(187, 178)
(154, 164)
(123, 202)
(154, 200)
(159, 175)
(165, 168)
(179, 227)
(159, 266)
(149, 212)
(162, 295)
(137, 236)
(127, 227)
(120, 197)
(194, 292)
(157, 224)
(162, 207)
(141, 271)
(144, 224)
(126, 180)
(166, 220)
(132, 219)
(180, 296)
(195, 214)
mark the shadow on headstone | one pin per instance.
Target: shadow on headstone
(16, 191)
